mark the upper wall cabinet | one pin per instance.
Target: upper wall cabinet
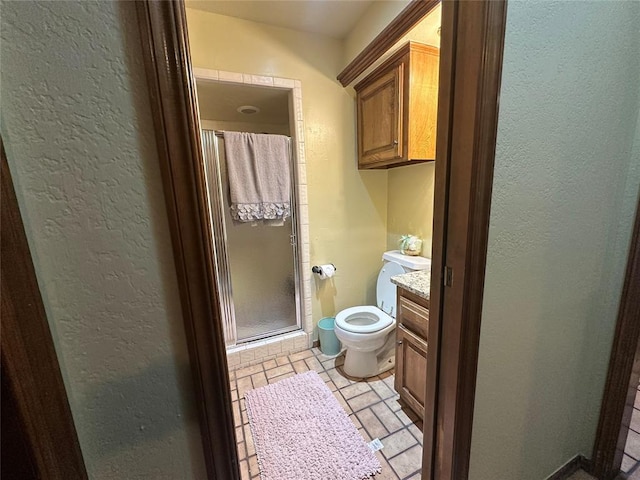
(397, 109)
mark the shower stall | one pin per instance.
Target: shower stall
(256, 264)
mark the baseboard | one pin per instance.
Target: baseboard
(569, 468)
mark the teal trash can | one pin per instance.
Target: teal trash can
(329, 343)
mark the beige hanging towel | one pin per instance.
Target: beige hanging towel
(259, 176)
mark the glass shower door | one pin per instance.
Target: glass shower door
(260, 264)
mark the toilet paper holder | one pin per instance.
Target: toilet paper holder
(317, 269)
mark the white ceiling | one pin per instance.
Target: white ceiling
(334, 18)
(219, 101)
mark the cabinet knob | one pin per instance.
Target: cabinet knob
(395, 142)
(399, 342)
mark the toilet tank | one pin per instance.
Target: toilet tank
(410, 263)
(395, 263)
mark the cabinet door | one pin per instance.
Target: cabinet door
(380, 119)
(411, 369)
(413, 316)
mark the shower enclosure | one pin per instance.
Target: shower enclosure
(256, 264)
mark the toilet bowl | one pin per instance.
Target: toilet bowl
(364, 331)
(368, 332)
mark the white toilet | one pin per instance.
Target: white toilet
(367, 331)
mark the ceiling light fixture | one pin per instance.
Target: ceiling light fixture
(248, 109)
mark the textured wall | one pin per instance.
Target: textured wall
(565, 189)
(409, 188)
(347, 207)
(81, 148)
(373, 21)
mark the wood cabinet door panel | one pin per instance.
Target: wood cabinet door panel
(397, 108)
(411, 369)
(380, 119)
(423, 104)
(413, 316)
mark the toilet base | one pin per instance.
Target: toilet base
(360, 364)
(369, 364)
(387, 361)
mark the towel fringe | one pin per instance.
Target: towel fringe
(250, 212)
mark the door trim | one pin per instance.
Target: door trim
(30, 366)
(173, 101)
(623, 373)
(470, 72)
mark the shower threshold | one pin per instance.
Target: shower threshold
(260, 350)
(265, 336)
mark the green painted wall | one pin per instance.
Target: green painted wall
(565, 190)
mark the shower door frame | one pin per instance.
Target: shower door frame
(299, 237)
(223, 265)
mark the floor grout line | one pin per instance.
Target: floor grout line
(318, 362)
(633, 468)
(379, 419)
(402, 451)
(635, 455)
(396, 415)
(409, 477)
(631, 456)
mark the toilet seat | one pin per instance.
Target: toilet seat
(363, 319)
(367, 332)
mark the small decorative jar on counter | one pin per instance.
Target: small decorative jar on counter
(410, 245)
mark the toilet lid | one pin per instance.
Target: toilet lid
(386, 291)
(363, 319)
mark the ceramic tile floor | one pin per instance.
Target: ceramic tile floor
(372, 405)
(631, 458)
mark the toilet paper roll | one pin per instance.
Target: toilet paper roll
(327, 271)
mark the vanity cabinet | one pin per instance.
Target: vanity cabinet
(411, 349)
(397, 109)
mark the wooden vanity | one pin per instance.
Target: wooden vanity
(412, 339)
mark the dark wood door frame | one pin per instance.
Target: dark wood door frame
(37, 419)
(471, 65)
(163, 32)
(623, 373)
(471, 61)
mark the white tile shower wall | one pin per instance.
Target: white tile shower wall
(206, 74)
(303, 217)
(283, 82)
(230, 77)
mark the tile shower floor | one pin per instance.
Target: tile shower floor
(372, 405)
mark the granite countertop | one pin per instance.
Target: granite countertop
(415, 282)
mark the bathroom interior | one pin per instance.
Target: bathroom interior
(337, 281)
